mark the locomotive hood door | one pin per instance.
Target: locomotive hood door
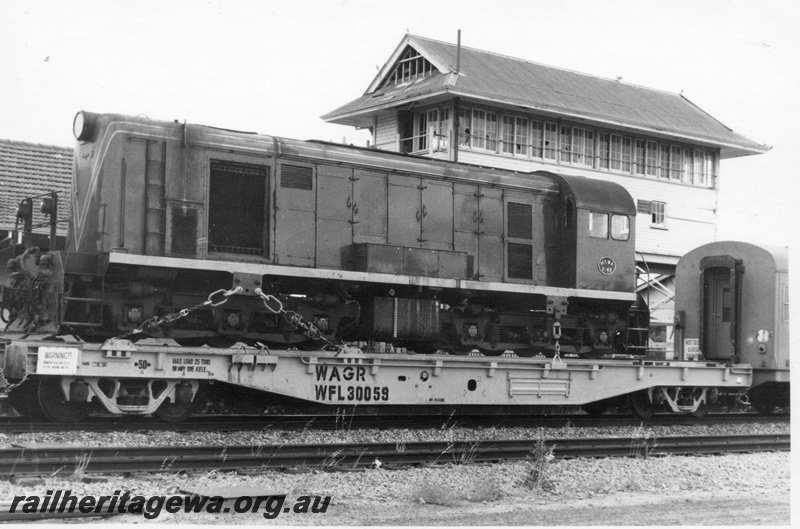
(721, 280)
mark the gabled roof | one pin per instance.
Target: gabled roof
(509, 81)
(28, 169)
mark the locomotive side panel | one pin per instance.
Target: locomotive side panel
(369, 214)
(335, 212)
(295, 214)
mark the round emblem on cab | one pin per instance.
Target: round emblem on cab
(606, 266)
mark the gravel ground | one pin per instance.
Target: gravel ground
(278, 436)
(674, 489)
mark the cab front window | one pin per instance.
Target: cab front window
(598, 225)
(620, 227)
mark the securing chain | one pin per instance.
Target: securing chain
(275, 306)
(215, 299)
(557, 337)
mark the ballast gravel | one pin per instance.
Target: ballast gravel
(438, 494)
(276, 435)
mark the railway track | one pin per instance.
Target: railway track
(65, 461)
(12, 425)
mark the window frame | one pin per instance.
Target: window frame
(565, 145)
(675, 163)
(611, 227)
(639, 157)
(658, 209)
(651, 158)
(537, 138)
(550, 141)
(521, 132)
(509, 134)
(478, 129)
(604, 148)
(605, 224)
(626, 155)
(509, 239)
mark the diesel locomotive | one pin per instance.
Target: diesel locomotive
(197, 254)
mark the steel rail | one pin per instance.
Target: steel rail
(65, 461)
(11, 425)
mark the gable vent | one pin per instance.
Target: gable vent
(409, 67)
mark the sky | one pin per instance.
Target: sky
(275, 67)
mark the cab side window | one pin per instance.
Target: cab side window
(620, 227)
(598, 225)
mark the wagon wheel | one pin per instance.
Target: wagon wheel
(595, 408)
(701, 410)
(23, 399)
(641, 405)
(173, 413)
(764, 403)
(55, 406)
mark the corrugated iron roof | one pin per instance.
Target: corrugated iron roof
(28, 169)
(507, 80)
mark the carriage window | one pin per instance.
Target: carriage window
(598, 225)
(620, 227)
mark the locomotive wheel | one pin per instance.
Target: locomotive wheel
(24, 400)
(55, 406)
(173, 413)
(641, 405)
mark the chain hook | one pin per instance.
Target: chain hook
(557, 337)
(271, 303)
(222, 296)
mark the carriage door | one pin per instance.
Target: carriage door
(719, 313)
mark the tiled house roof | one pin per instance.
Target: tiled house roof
(28, 169)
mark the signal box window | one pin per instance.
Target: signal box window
(620, 227)
(520, 240)
(598, 225)
(657, 214)
(236, 222)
